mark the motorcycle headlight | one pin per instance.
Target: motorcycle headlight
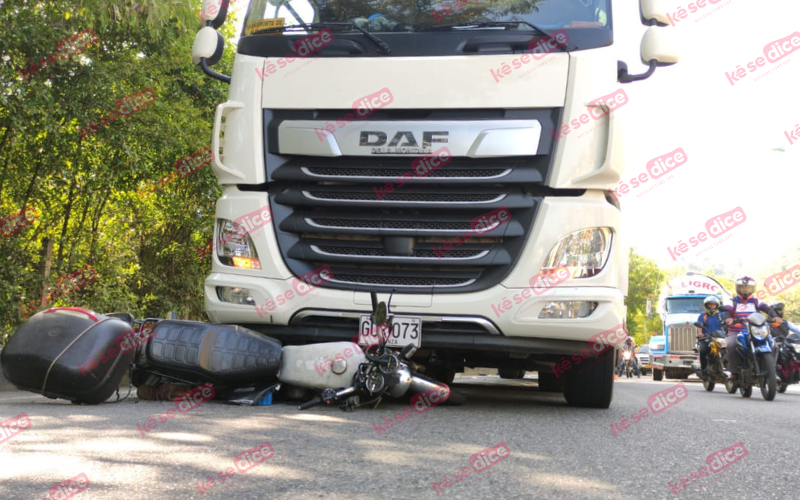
(583, 252)
(760, 332)
(234, 246)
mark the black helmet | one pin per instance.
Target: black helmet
(778, 306)
(745, 286)
(629, 341)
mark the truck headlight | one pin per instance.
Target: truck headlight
(236, 295)
(567, 309)
(583, 252)
(234, 246)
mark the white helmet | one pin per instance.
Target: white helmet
(711, 299)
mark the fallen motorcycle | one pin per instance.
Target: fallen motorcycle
(76, 354)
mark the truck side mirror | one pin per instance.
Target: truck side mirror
(214, 12)
(208, 44)
(658, 49)
(207, 51)
(654, 10)
(659, 45)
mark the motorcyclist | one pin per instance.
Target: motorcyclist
(631, 346)
(743, 305)
(712, 320)
(785, 327)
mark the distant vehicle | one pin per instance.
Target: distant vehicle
(672, 354)
(643, 358)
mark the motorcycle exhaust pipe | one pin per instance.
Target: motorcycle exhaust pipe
(410, 384)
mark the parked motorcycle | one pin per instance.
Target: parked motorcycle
(717, 368)
(788, 360)
(757, 364)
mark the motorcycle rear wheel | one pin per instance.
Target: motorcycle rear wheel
(782, 388)
(709, 385)
(768, 383)
(731, 386)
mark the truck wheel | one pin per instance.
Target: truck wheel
(592, 388)
(550, 383)
(658, 375)
(512, 373)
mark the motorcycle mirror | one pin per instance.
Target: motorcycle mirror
(380, 314)
(698, 324)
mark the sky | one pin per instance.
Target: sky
(730, 133)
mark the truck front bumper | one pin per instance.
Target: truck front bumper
(470, 320)
(674, 361)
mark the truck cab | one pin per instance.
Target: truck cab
(455, 158)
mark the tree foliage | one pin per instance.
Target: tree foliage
(84, 188)
(644, 281)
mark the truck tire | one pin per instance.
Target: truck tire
(550, 383)
(512, 373)
(658, 375)
(592, 388)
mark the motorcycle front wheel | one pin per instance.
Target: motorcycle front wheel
(782, 388)
(768, 382)
(709, 385)
(731, 386)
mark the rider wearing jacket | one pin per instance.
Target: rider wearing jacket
(786, 326)
(631, 346)
(711, 320)
(743, 305)
(779, 331)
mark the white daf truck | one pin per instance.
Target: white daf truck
(457, 158)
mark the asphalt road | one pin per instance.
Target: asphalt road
(554, 451)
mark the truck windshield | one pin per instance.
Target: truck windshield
(423, 15)
(687, 305)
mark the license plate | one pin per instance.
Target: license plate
(404, 330)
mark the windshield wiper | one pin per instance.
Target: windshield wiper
(490, 24)
(383, 47)
(484, 24)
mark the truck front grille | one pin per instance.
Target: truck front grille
(337, 211)
(682, 338)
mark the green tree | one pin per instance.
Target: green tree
(644, 281)
(85, 186)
